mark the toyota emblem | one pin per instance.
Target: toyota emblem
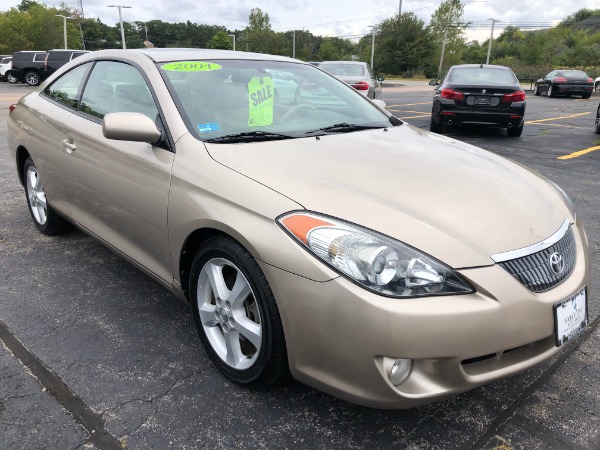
(556, 263)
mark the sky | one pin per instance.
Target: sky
(341, 18)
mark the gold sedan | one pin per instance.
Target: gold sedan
(312, 232)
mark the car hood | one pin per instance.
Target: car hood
(454, 201)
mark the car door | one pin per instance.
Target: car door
(122, 186)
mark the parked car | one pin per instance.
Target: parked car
(357, 74)
(478, 94)
(5, 66)
(26, 67)
(55, 59)
(372, 260)
(565, 82)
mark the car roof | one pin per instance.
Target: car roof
(342, 62)
(183, 54)
(481, 66)
(68, 50)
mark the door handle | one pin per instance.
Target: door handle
(69, 145)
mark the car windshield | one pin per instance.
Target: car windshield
(485, 75)
(250, 100)
(355, 70)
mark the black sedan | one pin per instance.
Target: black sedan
(479, 94)
(565, 82)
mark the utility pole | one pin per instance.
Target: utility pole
(65, 18)
(400, 8)
(373, 27)
(294, 45)
(121, 20)
(487, 61)
(443, 50)
(233, 36)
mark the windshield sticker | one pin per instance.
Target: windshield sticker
(191, 66)
(208, 127)
(260, 97)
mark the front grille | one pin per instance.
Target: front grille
(534, 271)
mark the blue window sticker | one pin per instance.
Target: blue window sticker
(208, 127)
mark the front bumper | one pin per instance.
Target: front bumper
(341, 338)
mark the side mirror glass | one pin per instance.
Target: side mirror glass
(380, 78)
(434, 82)
(130, 126)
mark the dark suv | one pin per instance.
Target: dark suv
(58, 58)
(27, 66)
(32, 67)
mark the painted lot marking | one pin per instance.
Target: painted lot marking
(558, 118)
(580, 152)
(415, 117)
(410, 104)
(10, 98)
(408, 111)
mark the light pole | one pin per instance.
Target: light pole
(373, 27)
(233, 36)
(487, 61)
(121, 20)
(64, 26)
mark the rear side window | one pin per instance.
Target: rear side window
(5, 60)
(59, 56)
(39, 57)
(66, 89)
(20, 56)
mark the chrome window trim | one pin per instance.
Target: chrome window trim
(534, 248)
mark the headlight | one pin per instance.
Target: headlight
(374, 261)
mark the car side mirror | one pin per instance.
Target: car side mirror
(380, 78)
(130, 126)
(434, 82)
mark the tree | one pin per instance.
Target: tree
(447, 20)
(259, 35)
(221, 40)
(402, 46)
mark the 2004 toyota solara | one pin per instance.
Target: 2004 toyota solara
(313, 233)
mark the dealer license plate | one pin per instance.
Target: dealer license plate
(570, 317)
(482, 100)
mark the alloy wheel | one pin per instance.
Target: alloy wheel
(36, 196)
(229, 313)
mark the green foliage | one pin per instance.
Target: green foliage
(221, 41)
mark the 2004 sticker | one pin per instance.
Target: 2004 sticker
(191, 66)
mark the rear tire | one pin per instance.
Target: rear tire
(32, 78)
(586, 96)
(45, 218)
(236, 315)
(11, 78)
(515, 131)
(434, 126)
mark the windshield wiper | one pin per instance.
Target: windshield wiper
(346, 128)
(250, 136)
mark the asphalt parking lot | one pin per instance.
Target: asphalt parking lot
(97, 355)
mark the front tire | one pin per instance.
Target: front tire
(550, 91)
(45, 218)
(597, 127)
(236, 315)
(32, 78)
(597, 86)
(536, 90)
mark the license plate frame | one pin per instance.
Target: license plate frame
(570, 317)
(483, 100)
